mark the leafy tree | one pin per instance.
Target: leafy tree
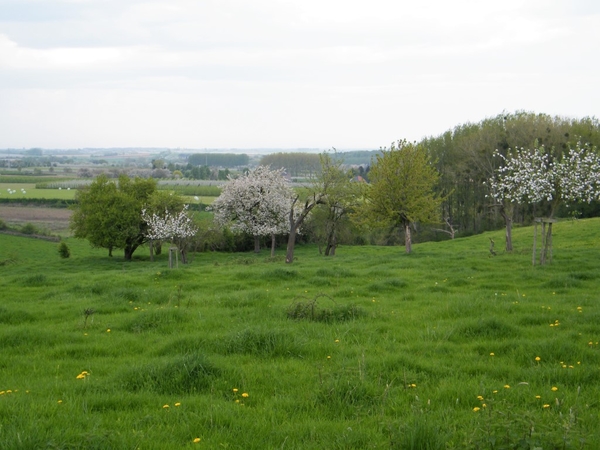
(256, 203)
(108, 214)
(402, 189)
(332, 215)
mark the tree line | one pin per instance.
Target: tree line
(473, 178)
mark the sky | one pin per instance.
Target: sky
(286, 73)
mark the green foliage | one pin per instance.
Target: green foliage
(29, 228)
(296, 164)
(63, 250)
(108, 214)
(402, 189)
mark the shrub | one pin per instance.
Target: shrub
(63, 250)
(3, 225)
(29, 228)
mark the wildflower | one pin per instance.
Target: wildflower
(483, 405)
(492, 354)
(237, 400)
(245, 395)
(195, 441)
(235, 390)
(477, 408)
(178, 404)
(479, 397)
(59, 402)
(494, 392)
(554, 389)
(413, 385)
(538, 396)
(328, 357)
(165, 406)
(108, 330)
(506, 386)
(337, 341)
(546, 405)
(537, 358)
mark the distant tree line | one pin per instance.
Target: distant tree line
(227, 160)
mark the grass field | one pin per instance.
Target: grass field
(446, 348)
(32, 192)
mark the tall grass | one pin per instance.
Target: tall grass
(446, 348)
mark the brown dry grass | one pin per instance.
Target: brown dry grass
(51, 219)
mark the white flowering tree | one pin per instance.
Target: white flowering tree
(533, 176)
(173, 227)
(256, 203)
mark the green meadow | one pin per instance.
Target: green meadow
(445, 348)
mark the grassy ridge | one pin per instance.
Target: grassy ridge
(439, 352)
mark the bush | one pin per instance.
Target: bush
(63, 250)
(29, 228)
(3, 225)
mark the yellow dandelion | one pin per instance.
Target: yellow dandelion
(59, 402)
(235, 390)
(506, 386)
(238, 400)
(494, 392)
(2, 392)
(80, 376)
(477, 408)
(483, 405)
(492, 354)
(538, 396)
(413, 385)
(537, 358)
(479, 397)
(328, 357)
(165, 406)
(108, 330)
(336, 341)
(245, 395)
(195, 441)
(546, 405)
(178, 404)
(554, 389)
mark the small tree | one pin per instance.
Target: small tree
(256, 203)
(63, 250)
(402, 189)
(341, 200)
(175, 228)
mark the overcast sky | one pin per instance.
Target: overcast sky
(286, 73)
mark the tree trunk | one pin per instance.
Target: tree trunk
(110, 249)
(151, 245)
(407, 237)
(289, 255)
(507, 213)
(272, 244)
(128, 252)
(256, 244)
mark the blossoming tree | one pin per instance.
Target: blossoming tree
(256, 203)
(533, 176)
(173, 227)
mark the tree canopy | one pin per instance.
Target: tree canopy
(402, 189)
(109, 214)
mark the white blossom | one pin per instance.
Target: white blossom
(532, 176)
(169, 226)
(257, 203)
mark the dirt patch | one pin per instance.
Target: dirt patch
(51, 219)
